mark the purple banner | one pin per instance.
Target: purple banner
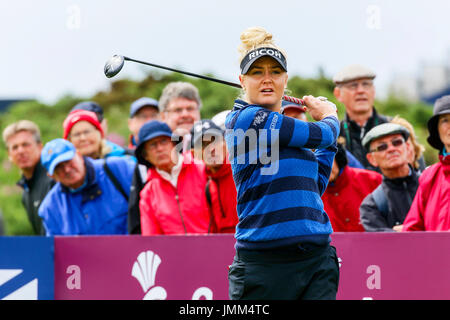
(373, 266)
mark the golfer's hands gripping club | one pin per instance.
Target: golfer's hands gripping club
(319, 108)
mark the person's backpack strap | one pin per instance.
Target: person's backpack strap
(114, 180)
(212, 225)
(381, 200)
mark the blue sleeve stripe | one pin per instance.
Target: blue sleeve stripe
(280, 216)
(277, 186)
(287, 153)
(315, 136)
(281, 200)
(334, 126)
(291, 229)
(324, 171)
(286, 131)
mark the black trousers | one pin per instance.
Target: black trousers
(292, 273)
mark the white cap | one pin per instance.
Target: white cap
(353, 72)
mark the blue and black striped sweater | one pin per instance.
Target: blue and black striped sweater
(279, 180)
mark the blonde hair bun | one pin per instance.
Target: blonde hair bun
(255, 37)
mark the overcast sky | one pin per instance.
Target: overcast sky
(55, 47)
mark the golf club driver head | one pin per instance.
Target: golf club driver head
(114, 65)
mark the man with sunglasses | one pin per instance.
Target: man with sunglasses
(355, 89)
(386, 207)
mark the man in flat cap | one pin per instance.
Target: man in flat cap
(386, 207)
(355, 89)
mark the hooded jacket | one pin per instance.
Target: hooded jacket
(223, 198)
(183, 209)
(342, 198)
(430, 210)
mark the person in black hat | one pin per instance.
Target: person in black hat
(386, 207)
(208, 145)
(430, 209)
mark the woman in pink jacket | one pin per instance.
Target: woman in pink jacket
(173, 200)
(430, 210)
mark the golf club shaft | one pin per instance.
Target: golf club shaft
(186, 73)
(236, 85)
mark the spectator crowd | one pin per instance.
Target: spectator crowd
(175, 175)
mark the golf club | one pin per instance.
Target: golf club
(115, 64)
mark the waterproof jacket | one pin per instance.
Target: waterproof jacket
(399, 194)
(183, 209)
(34, 191)
(98, 208)
(223, 194)
(354, 134)
(342, 198)
(430, 210)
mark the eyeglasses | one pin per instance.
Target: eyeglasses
(180, 110)
(77, 135)
(353, 86)
(384, 146)
(153, 145)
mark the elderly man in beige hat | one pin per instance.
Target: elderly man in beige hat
(355, 89)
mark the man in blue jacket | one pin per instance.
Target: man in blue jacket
(90, 196)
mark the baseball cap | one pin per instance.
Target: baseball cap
(150, 130)
(140, 103)
(204, 128)
(90, 106)
(80, 115)
(353, 72)
(257, 53)
(55, 152)
(288, 104)
(381, 130)
(441, 106)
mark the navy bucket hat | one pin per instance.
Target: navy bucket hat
(150, 130)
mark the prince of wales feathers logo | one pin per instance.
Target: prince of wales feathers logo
(144, 270)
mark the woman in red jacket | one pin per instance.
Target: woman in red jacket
(173, 200)
(430, 210)
(208, 144)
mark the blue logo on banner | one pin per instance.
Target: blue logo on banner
(26, 268)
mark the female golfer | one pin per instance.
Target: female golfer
(283, 236)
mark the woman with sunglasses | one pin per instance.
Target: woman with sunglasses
(385, 209)
(283, 236)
